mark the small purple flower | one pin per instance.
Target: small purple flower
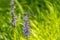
(12, 2)
(27, 34)
(12, 11)
(26, 31)
(25, 18)
(14, 22)
(28, 27)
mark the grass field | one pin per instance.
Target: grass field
(44, 18)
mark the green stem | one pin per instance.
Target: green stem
(20, 7)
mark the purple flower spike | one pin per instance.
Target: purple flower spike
(26, 24)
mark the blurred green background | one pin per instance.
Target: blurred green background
(44, 24)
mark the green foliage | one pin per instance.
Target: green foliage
(44, 22)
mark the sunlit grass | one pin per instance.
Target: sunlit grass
(44, 24)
